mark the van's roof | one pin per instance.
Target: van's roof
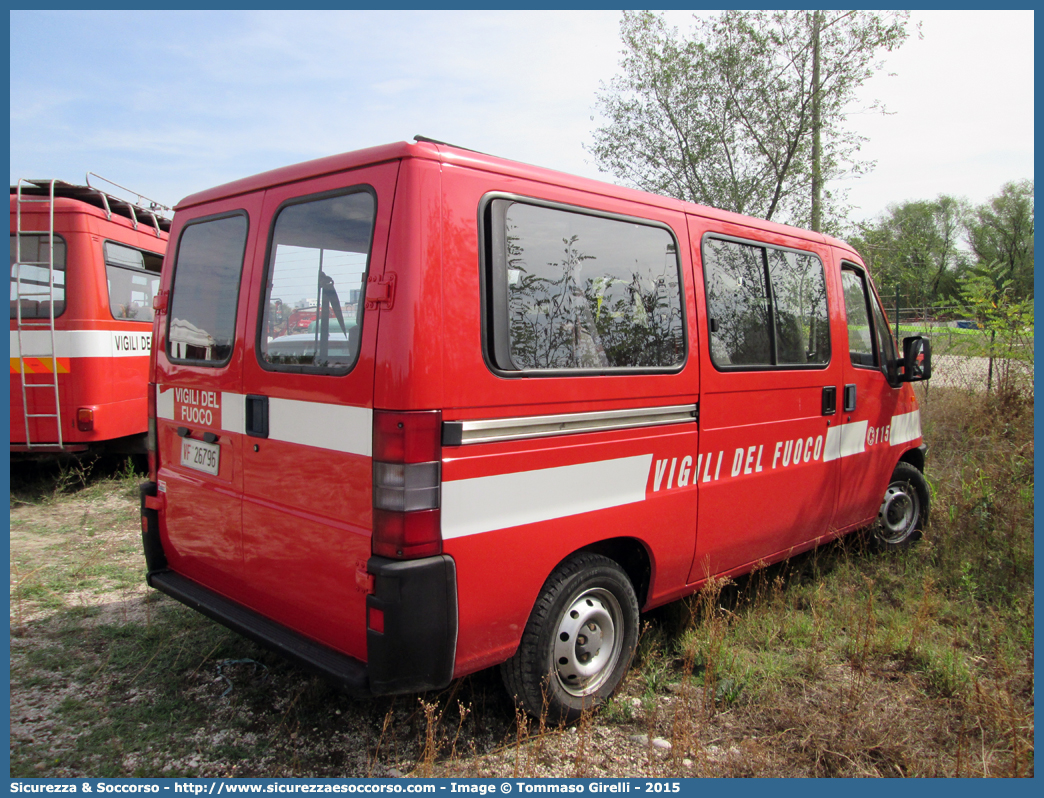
(444, 153)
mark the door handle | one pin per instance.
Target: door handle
(209, 437)
(257, 416)
(829, 400)
(850, 398)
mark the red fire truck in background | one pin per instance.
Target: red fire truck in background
(85, 268)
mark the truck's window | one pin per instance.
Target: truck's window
(766, 306)
(133, 279)
(316, 280)
(799, 299)
(737, 304)
(860, 333)
(577, 291)
(205, 291)
(885, 344)
(31, 274)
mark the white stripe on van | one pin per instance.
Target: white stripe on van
(342, 428)
(164, 403)
(233, 412)
(482, 504)
(84, 343)
(845, 440)
(905, 428)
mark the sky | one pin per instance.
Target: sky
(170, 103)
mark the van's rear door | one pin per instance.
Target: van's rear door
(198, 380)
(198, 391)
(307, 497)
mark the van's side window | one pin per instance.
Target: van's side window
(869, 345)
(205, 290)
(32, 274)
(316, 279)
(799, 302)
(133, 280)
(576, 291)
(860, 334)
(885, 344)
(766, 306)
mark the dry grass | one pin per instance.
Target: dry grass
(840, 662)
(846, 663)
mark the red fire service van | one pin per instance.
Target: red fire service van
(85, 266)
(530, 406)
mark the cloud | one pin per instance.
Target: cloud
(185, 100)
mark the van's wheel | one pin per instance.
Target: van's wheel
(578, 642)
(904, 509)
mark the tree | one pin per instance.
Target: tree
(1000, 233)
(725, 116)
(917, 247)
(1005, 321)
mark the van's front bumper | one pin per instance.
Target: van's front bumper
(418, 599)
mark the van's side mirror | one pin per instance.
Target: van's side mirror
(917, 359)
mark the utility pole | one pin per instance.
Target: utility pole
(817, 124)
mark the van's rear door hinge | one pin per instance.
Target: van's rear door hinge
(380, 292)
(159, 302)
(364, 581)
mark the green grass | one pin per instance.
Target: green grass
(966, 343)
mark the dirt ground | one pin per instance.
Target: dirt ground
(62, 684)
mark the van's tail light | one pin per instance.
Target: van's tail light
(407, 474)
(150, 442)
(85, 419)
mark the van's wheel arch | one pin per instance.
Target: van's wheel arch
(904, 509)
(578, 642)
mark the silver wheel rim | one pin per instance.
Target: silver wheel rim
(899, 512)
(588, 642)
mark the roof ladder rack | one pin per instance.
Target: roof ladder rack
(134, 208)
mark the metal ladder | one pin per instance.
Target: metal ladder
(26, 327)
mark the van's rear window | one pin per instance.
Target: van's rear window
(206, 287)
(579, 291)
(316, 280)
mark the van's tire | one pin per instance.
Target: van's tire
(579, 640)
(904, 510)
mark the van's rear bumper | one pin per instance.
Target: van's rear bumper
(418, 600)
(48, 448)
(347, 673)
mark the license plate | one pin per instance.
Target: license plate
(200, 455)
